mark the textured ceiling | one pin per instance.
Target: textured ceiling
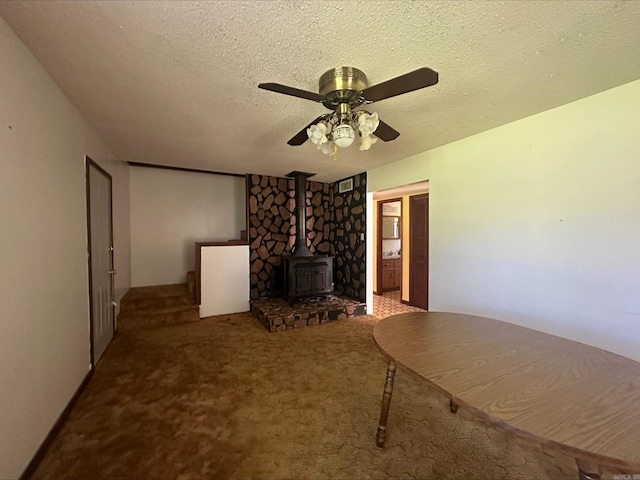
(175, 83)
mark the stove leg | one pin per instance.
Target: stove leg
(381, 434)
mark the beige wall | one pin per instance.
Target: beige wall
(44, 331)
(170, 211)
(536, 222)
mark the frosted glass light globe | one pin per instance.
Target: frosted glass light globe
(318, 133)
(343, 135)
(367, 141)
(367, 124)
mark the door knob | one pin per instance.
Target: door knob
(112, 272)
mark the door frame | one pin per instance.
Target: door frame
(379, 290)
(88, 164)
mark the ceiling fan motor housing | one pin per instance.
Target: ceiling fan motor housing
(342, 85)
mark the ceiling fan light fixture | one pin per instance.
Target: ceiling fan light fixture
(318, 133)
(343, 90)
(343, 135)
(326, 148)
(367, 123)
(366, 142)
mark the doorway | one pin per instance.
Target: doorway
(419, 253)
(389, 252)
(100, 252)
(400, 295)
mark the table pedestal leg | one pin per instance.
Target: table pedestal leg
(587, 470)
(381, 434)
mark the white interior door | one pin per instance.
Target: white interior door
(101, 259)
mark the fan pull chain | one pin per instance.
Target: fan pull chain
(335, 152)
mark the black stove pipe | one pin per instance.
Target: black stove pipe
(300, 248)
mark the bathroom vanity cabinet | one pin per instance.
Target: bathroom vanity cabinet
(391, 274)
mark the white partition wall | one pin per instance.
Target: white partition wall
(224, 280)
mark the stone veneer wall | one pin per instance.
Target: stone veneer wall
(272, 227)
(348, 224)
(334, 224)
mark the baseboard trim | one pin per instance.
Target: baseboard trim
(405, 302)
(39, 455)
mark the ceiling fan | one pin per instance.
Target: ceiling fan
(342, 90)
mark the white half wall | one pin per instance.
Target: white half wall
(224, 280)
(44, 331)
(170, 211)
(538, 222)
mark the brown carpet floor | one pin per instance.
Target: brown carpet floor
(225, 399)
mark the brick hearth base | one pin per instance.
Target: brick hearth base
(277, 315)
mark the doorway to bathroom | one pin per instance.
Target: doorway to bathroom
(389, 245)
(400, 222)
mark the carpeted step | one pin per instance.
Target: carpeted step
(157, 306)
(140, 319)
(156, 297)
(191, 284)
(132, 305)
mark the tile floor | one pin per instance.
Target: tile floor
(389, 304)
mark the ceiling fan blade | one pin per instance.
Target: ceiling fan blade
(301, 137)
(421, 78)
(385, 133)
(294, 92)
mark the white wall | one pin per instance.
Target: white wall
(170, 211)
(538, 222)
(44, 330)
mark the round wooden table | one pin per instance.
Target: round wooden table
(579, 399)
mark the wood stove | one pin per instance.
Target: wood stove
(305, 274)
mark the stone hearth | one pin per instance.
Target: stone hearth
(277, 315)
